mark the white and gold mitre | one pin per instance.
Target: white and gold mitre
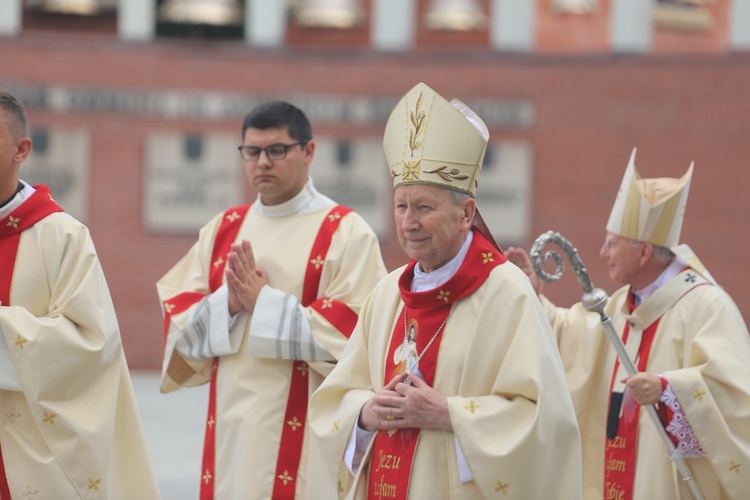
(650, 209)
(429, 140)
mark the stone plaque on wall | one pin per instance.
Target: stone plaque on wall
(504, 195)
(354, 173)
(189, 179)
(60, 159)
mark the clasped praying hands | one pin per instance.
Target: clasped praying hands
(401, 406)
(244, 280)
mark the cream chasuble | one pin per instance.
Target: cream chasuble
(497, 364)
(251, 414)
(701, 346)
(73, 431)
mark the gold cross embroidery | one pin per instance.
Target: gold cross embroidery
(502, 487)
(317, 262)
(735, 466)
(335, 215)
(443, 295)
(49, 418)
(335, 427)
(303, 369)
(487, 257)
(294, 423)
(327, 304)
(13, 221)
(699, 394)
(207, 476)
(285, 477)
(218, 262)
(211, 422)
(233, 216)
(472, 406)
(93, 484)
(20, 341)
(411, 171)
(168, 308)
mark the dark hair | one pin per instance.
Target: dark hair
(279, 114)
(15, 115)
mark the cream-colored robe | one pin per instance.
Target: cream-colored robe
(509, 406)
(703, 349)
(252, 391)
(74, 430)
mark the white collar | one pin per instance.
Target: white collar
(21, 196)
(308, 200)
(672, 270)
(428, 281)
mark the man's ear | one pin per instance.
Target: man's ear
(23, 148)
(309, 151)
(470, 209)
(647, 250)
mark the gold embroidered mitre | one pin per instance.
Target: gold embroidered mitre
(429, 140)
(650, 209)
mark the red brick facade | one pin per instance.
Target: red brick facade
(589, 112)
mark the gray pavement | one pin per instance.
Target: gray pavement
(174, 425)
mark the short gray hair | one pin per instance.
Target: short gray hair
(663, 255)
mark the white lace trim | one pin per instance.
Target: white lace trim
(688, 445)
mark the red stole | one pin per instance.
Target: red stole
(423, 313)
(620, 451)
(292, 440)
(39, 205)
(343, 318)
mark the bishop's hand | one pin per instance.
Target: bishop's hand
(521, 258)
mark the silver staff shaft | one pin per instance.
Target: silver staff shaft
(594, 300)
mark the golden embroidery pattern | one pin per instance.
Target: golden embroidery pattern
(317, 261)
(207, 476)
(49, 418)
(20, 341)
(13, 221)
(417, 119)
(286, 478)
(411, 170)
(303, 369)
(93, 484)
(168, 308)
(472, 406)
(699, 394)
(336, 424)
(294, 423)
(487, 257)
(502, 487)
(443, 295)
(233, 216)
(454, 175)
(218, 262)
(735, 466)
(327, 304)
(211, 422)
(335, 215)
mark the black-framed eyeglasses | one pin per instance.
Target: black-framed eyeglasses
(274, 151)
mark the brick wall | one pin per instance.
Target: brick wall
(590, 111)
